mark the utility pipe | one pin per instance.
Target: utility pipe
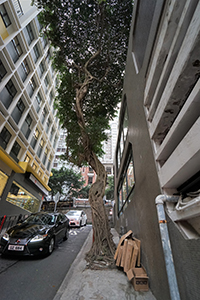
(171, 274)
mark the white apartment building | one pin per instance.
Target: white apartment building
(29, 130)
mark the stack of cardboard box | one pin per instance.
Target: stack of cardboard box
(127, 256)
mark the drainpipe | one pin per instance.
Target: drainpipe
(171, 274)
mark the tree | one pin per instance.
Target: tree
(67, 182)
(90, 39)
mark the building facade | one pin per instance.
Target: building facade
(29, 130)
(158, 146)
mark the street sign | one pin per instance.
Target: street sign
(56, 197)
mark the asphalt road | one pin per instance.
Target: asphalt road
(40, 278)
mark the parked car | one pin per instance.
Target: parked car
(77, 218)
(37, 234)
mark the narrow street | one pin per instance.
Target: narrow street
(40, 278)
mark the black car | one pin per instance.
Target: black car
(37, 234)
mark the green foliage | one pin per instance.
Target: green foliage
(67, 182)
(90, 39)
(84, 192)
(109, 192)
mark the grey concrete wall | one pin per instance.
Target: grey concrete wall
(140, 216)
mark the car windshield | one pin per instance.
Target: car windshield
(41, 219)
(73, 213)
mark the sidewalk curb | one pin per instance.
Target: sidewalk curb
(85, 248)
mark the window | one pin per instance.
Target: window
(31, 87)
(18, 111)
(126, 182)
(41, 69)
(108, 170)
(52, 134)
(46, 82)
(20, 197)
(5, 136)
(48, 124)
(55, 141)
(36, 53)
(40, 173)
(49, 163)
(2, 71)
(4, 15)
(34, 167)
(24, 70)
(45, 156)
(27, 158)
(15, 151)
(91, 170)
(39, 26)
(8, 94)
(90, 179)
(122, 134)
(44, 114)
(51, 96)
(14, 49)
(38, 102)
(26, 127)
(44, 41)
(145, 11)
(41, 146)
(35, 138)
(48, 56)
(29, 33)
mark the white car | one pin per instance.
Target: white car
(77, 218)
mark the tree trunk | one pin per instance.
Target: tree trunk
(103, 247)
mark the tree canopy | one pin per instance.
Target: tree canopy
(109, 192)
(67, 182)
(90, 39)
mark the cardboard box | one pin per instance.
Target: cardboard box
(134, 255)
(138, 242)
(129, 233)
(130, 274)
(140, 280)
(119, 256)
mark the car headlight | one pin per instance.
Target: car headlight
(6, 237)
(39, 237)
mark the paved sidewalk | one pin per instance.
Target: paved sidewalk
(85, 284)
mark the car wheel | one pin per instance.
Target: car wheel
(80, 224)
(85, 222)
(66, 234)
(51, 246)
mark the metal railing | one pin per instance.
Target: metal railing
(18, 7)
